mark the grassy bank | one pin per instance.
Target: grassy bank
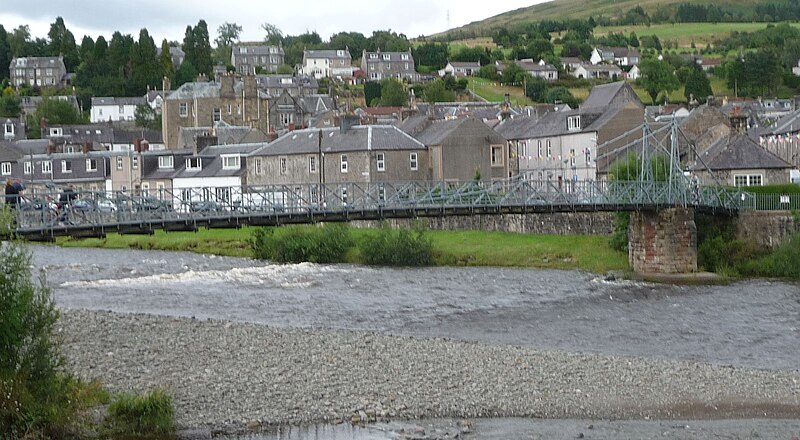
(450, 248)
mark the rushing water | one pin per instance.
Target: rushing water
(751, 323)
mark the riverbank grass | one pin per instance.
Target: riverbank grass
(450, 248)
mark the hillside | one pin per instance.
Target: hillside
(566, 9)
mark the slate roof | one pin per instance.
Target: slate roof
(602, 95)
(466, 64)
(9, 152)
(358, 138)
(79, 134)
(413, 124)
(255, 50)
(738, 152)
(785, 125)
(32, 146)
(151, 170)
(110, 100)
(226, 134)
(278, 81)
(129, 136)
(330, 54)
(393, 56)
(516, 128)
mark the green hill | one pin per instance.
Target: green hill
(740, 10)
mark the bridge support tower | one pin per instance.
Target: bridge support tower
(663, 241)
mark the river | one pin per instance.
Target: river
(754, 323)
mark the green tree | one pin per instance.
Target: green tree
(356, 42)
(273, 35)
(186, 73)
(165, 61)
(536, 89)
(19, 41)
(561, 94)
(513, 74)
(433, 55)
(392, 93)
(633, 40)
(5, 54)
(62, 42)
(698, 86)
(145, 69)
(58, 112)
(10, 106)
(657, 77)
(227, 34)
(539, 48)
(198, 48)
(436, 91)
(146, 117)
(372, 93)
(119, 55)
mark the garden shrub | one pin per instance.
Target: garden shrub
(784, 262)
(297, 244)
(141, 416)
(402, 247)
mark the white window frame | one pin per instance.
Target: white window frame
(231, 162)
(380, 161)
(312, 164)
(120, 163)
(183, 109)
(47, 167)
(343, 163)
(413, 159)
(258, 166)
(28, 167)
(135, 162)
(160, 189)
(286, 118)
(5, 168)
(91, 165)
(749, 180)
(194, 164)
(496, 154)
(146, 189)
(283, 166)
(216, 114)
(166, 162)
(573, 123)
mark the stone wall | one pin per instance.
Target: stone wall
(768, 229)
(663, 242)
(570, 223)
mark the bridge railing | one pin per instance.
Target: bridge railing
(56, 209)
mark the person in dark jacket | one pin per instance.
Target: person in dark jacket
(13, 190)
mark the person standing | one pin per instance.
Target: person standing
(12, 193)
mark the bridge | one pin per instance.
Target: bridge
(662, 237)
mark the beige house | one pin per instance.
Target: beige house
(203, 104)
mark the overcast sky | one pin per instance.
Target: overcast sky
(169, 18)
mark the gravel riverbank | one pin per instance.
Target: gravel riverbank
(226, 375)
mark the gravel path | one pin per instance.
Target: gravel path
(226, 375)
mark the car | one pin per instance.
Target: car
(205, 206)
(105, 205)
(150, 204)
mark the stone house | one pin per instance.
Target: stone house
(250, 59)
(287, 112)
(460, 69)
(38, 71)
(328, 63)
(461, 149)
(783, 138)
(738, 160)
(203, 104)
(115, 109)
(381, 65)
(295, 85)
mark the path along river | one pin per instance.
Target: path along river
(745, 324)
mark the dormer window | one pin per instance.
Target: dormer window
(339, 53)
(8, 129)
(231, 162)
(404, 56)
(165, 162)
(56, 131)
(387, 57)
(373, 56)
(574, 122)
(193, 164)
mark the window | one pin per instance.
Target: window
(283, 167)
(412, 158)
(381, 159)
(119, 163)
(286, 118)
(381, 193)
(145, 189)
(373, 56)
(343, 164)
(748, 180)
(312, 164)
(216, 114)
(231, 162)
(69, 148)
(9, 129)
(497, 155)
(230, 108)
(160, 189)
(193, 164)
(28, 168)
(91, 164)
(538, 149)
(165, 162)
(574, 122)
(572, 157)
(344, 196)
(223, 194)
(183, 109)
(5, 168)
(386, 57)
(56, 131)
(135, 162)
(47, 167)
(257, 166)
(549, 149)
(314, 194)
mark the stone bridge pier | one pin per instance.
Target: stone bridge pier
(663, 241)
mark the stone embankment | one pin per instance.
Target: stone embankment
(237, 376)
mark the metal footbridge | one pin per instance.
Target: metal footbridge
(93, 214)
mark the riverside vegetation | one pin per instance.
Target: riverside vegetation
(39, 398)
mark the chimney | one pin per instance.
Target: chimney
(347, 122)
(51, 146)
(738, 120)
(87, 147)
(165, 85)
(202, 78)
(137, 145)
(250, 86)
(226, 86)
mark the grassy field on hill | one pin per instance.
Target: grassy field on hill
(583, 9)
(685, 33)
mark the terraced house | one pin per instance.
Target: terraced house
(381, 65)
(253, 59)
